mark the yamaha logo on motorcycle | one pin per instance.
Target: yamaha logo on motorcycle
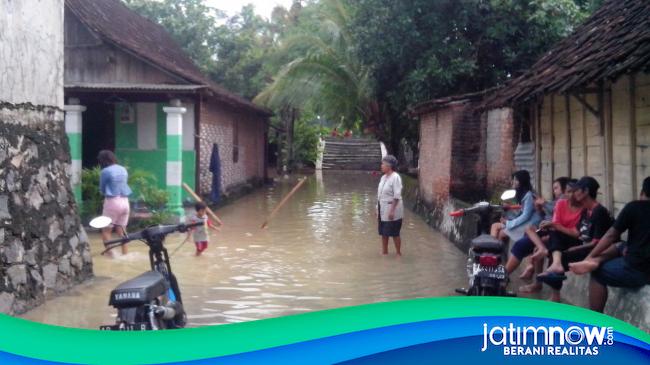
(128, 295)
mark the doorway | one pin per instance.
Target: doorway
(98, 131)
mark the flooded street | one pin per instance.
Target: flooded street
(321, 251)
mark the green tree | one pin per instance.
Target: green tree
(322, 72)
(422, 49)
(191, 23)
(232, 51)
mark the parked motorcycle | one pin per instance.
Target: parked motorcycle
(152, 300)
(487, 255)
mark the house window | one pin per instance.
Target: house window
(235, 142)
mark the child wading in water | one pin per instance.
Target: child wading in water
(200, 234)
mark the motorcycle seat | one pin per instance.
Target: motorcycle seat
(487, 243)
(139, 290)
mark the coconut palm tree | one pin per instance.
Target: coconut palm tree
(324, 74)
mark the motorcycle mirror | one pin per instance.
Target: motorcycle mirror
(101, 222)
(508, 194)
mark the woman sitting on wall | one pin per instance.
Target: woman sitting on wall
(515, 228)
(534, 241)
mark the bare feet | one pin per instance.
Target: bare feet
(553, 269)
(583, 267)
(539, 255)
(531, 288)
(528, 273)
(555, 297)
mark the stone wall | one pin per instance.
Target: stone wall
(43, 248)
(459, 231)
(219, 125)
(631, 306)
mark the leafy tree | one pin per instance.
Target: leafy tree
(322, 72)
(422, 49)
(232, 51)
(190, 22)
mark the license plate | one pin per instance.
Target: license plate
(498, 274)
(144, 326)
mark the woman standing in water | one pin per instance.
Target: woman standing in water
(390, 208)
(113, 186)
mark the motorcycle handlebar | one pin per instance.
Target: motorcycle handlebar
(164, 230)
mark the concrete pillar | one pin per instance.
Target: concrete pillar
(73, 128)
(174, 165)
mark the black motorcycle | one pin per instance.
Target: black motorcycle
(151, 301)
(487, 255)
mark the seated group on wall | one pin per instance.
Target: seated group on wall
(575, 233)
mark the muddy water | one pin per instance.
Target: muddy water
(321, 251)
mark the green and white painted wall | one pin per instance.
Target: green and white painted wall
(145, 141)
(73, 128)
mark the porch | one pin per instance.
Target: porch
(151, 129)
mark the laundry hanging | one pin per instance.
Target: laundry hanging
(215, 169)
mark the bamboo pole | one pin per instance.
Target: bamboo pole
(284, 200)
(199, 200)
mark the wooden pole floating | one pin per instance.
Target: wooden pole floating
(199, 200)
(284, 200)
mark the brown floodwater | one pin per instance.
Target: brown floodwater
(320, 252)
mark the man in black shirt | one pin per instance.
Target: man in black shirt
(623, 265)
(594, 223)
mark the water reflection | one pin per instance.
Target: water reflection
(320, 252)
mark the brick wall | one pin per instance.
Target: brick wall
(501, 139)
(452, 155)
(435, 156)
(468, 151)
(218, 126)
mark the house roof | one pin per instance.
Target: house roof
(614, 41)
(119, 25)
(134, 87)
(435, 104)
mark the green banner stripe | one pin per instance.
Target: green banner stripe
(87, 346)
(74, 139)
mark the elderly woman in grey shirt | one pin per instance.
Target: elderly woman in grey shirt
(390, 208)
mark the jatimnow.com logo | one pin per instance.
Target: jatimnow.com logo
(547, 340)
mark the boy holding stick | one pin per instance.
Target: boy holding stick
(200, 234)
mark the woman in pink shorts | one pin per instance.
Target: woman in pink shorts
(113, 185)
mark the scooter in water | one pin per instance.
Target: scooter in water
(152, 300)
(487, 255)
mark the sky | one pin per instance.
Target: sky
(262, 7)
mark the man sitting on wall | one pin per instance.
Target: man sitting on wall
(595, 221)
(624, 265)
